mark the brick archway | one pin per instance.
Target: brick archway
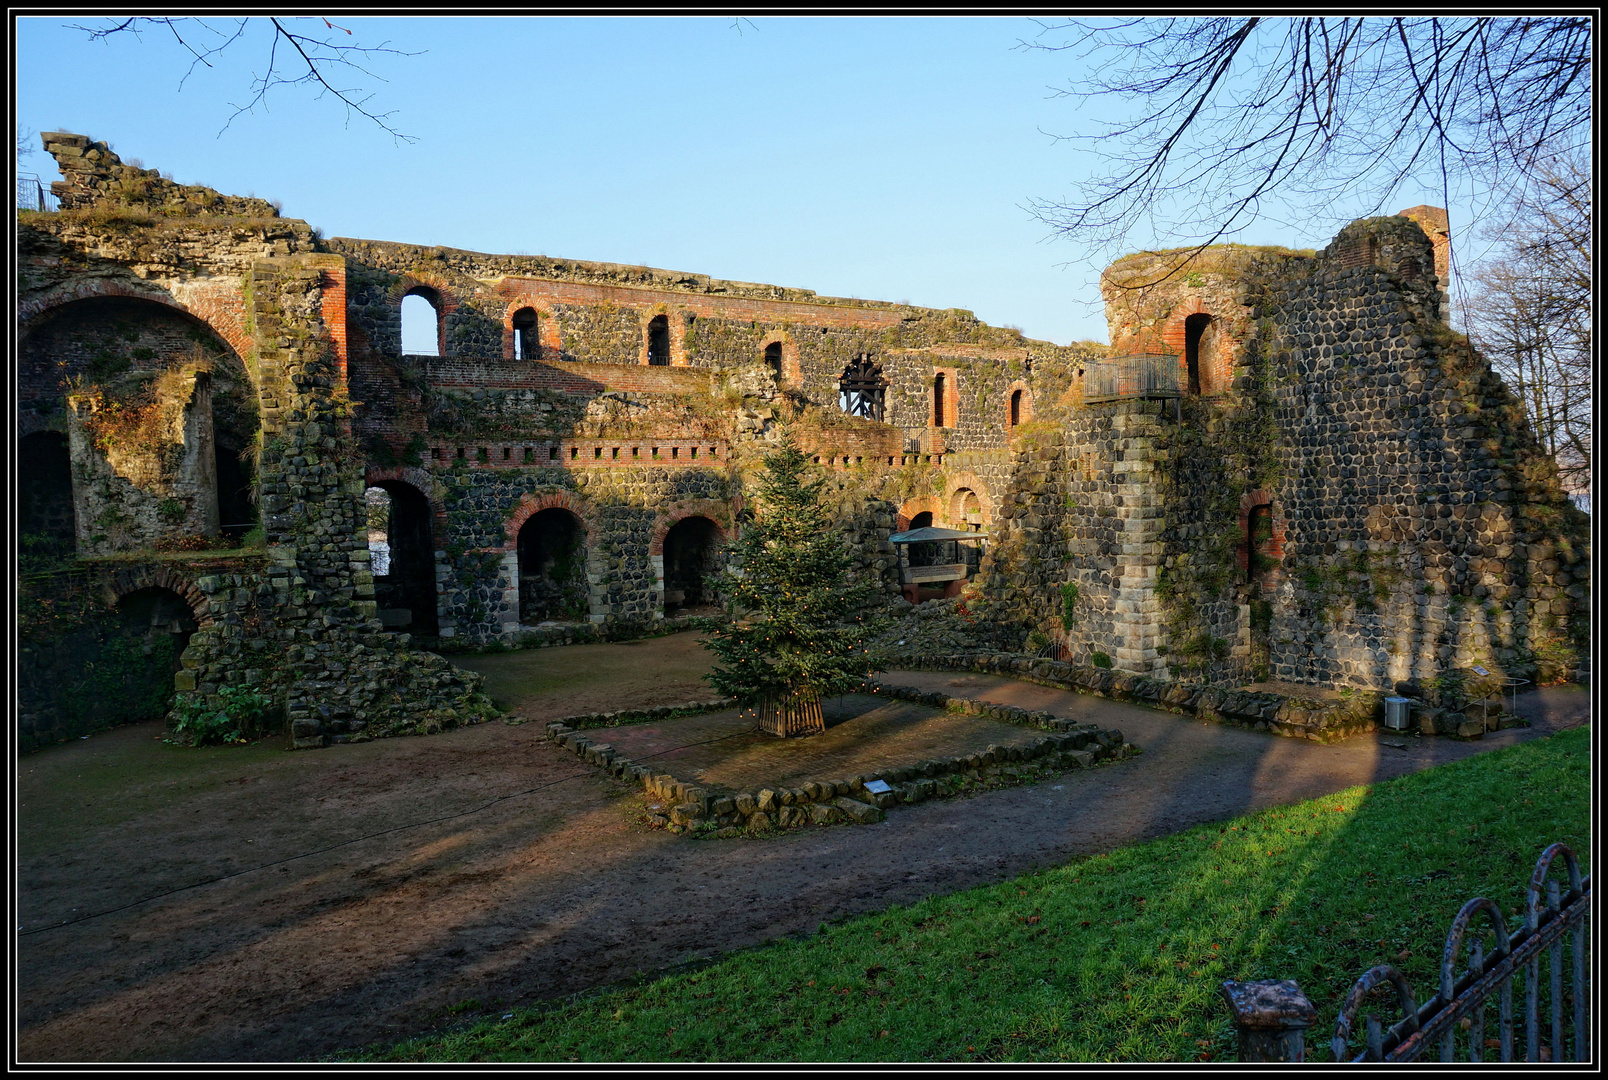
(1275, 546)
(220, 322)
(546, 330)
(530, 505)
(954, 483)
(164, 576)
(716, 512)
(1215, 374)
(926, 505)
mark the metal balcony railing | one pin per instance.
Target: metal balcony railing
(1143, 375)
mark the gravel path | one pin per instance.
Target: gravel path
(487, 865)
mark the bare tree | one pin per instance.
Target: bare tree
(1531, 311)
(1216, 116)
(319, 59)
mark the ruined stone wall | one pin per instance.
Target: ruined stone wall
(1426, 529)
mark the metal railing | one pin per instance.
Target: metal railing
(1146, 375)
(1272, 1015)
(32, 194)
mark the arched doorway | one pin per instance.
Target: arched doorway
(526, 341)
(1200, 350)
(659, 341)
(45, 494)
(691, 557)
(400, 540)
(135, 668)
(552, 568)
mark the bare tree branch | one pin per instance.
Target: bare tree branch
(323, 55)
(1213, 116)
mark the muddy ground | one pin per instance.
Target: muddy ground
(250, 904)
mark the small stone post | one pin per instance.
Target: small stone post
(1272, 1016)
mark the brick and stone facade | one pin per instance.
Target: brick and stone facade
(1341, 492)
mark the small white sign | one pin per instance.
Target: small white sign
(1480, 671)
(878, 787)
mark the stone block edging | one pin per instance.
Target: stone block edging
(824, 802)
(1298, 718)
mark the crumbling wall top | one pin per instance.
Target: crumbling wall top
(95, 176)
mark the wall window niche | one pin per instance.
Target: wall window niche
(422, 329)
(527, 341)
(659, 341)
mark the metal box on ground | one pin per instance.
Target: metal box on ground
(1396, 709)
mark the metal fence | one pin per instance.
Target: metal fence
(32, 194)
(1272, 1015)
(1146, 375)
(1466, 995)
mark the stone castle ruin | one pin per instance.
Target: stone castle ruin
(1285, 466)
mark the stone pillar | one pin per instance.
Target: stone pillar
(1138, 616)
(1271, 1017)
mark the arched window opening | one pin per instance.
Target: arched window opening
(966, 510)
(1016, 407)
(421, 323)
(691, 557)
(773, 359)
(402, 557)
(46, 522)
(862, 388)
(527, 346)
(938, 391)
(552, 568)
(1198, 351)
(659, 341)
(1258, 542)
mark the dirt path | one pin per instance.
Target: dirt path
(485, 866)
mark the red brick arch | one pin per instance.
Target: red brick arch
(530, 505)
(1230, 336)
(954, 483)
(928, 505)
(163, 576)
(220, 322)
(1027, 404)
(448, 300)
(717, 512)
(546, 330)
(1275, 547)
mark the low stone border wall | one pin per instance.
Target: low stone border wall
(637, 716)
(1298, 718)
(825, 802)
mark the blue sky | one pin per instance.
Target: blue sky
(890, 159)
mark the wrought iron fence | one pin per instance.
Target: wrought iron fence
(32, 194)
(1145, 375)
(1272, 1015)
(1465, 996)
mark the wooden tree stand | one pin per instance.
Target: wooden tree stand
(799, 714)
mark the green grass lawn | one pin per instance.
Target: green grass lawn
(1112, 958)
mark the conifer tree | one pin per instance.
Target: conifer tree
(797, 629)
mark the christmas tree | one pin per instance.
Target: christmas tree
(797, 629)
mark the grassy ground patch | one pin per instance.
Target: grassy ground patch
(1112, 958)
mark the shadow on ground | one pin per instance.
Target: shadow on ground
(376, 890)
